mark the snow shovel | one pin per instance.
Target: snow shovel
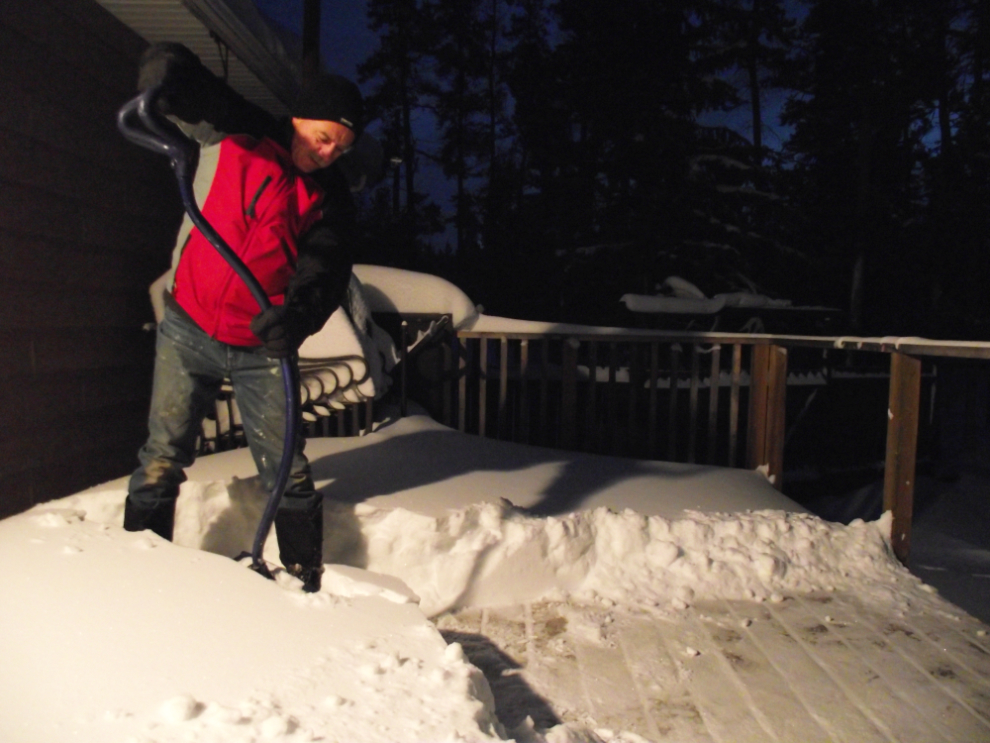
(139, 121)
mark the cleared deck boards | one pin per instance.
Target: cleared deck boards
(819, 668)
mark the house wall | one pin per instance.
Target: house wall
(86, 223)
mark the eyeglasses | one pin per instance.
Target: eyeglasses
(341, 149)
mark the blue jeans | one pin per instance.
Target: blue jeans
(189, 369)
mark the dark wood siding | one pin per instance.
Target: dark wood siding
(86, 223)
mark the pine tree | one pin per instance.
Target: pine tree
(751, 37)
(399, 95)
(958, 170)
(457, 91)
(858, 141)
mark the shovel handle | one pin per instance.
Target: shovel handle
(140, 122)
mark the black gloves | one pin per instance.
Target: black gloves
(281, 330)
(188, 88)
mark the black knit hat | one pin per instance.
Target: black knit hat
(331, 98)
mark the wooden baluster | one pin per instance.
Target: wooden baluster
(734, 403)
(403, 363)
(568, 394)
(448, 391)
(612, 437)
(544, 391)
(592, 439)
(462, 379)
(483, 387)
(713, 389)
(675, 363)
(633, 447)
(524, 391)
(503, 387)
(693, 405)
(651, 435)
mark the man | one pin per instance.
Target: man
(211, 328)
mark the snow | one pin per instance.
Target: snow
(682, 297)
(410, 292)
(348, 359)
(110, 636)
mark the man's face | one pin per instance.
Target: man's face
(316, 143)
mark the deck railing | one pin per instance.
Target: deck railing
(724, 399)
(715, 398)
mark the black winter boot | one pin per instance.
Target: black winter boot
(299, 529)
(159, 517)
(310, 577)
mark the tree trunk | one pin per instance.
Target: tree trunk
(408, 149)
(754, 83)
(856, 292)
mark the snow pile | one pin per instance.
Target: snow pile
(495, 554)
(490, 555)
(109, 635)
(114, 637)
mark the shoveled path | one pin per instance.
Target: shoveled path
(827, 667)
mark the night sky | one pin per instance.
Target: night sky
(345, 40)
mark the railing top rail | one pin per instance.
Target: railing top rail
(913, 346)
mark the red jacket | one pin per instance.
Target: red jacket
(260, 205)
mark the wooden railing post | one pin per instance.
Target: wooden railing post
(767, 396)
(902, 447)
(756, 431)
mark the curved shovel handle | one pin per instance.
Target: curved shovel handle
(141, 123)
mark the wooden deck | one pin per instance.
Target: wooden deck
(826, 668)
